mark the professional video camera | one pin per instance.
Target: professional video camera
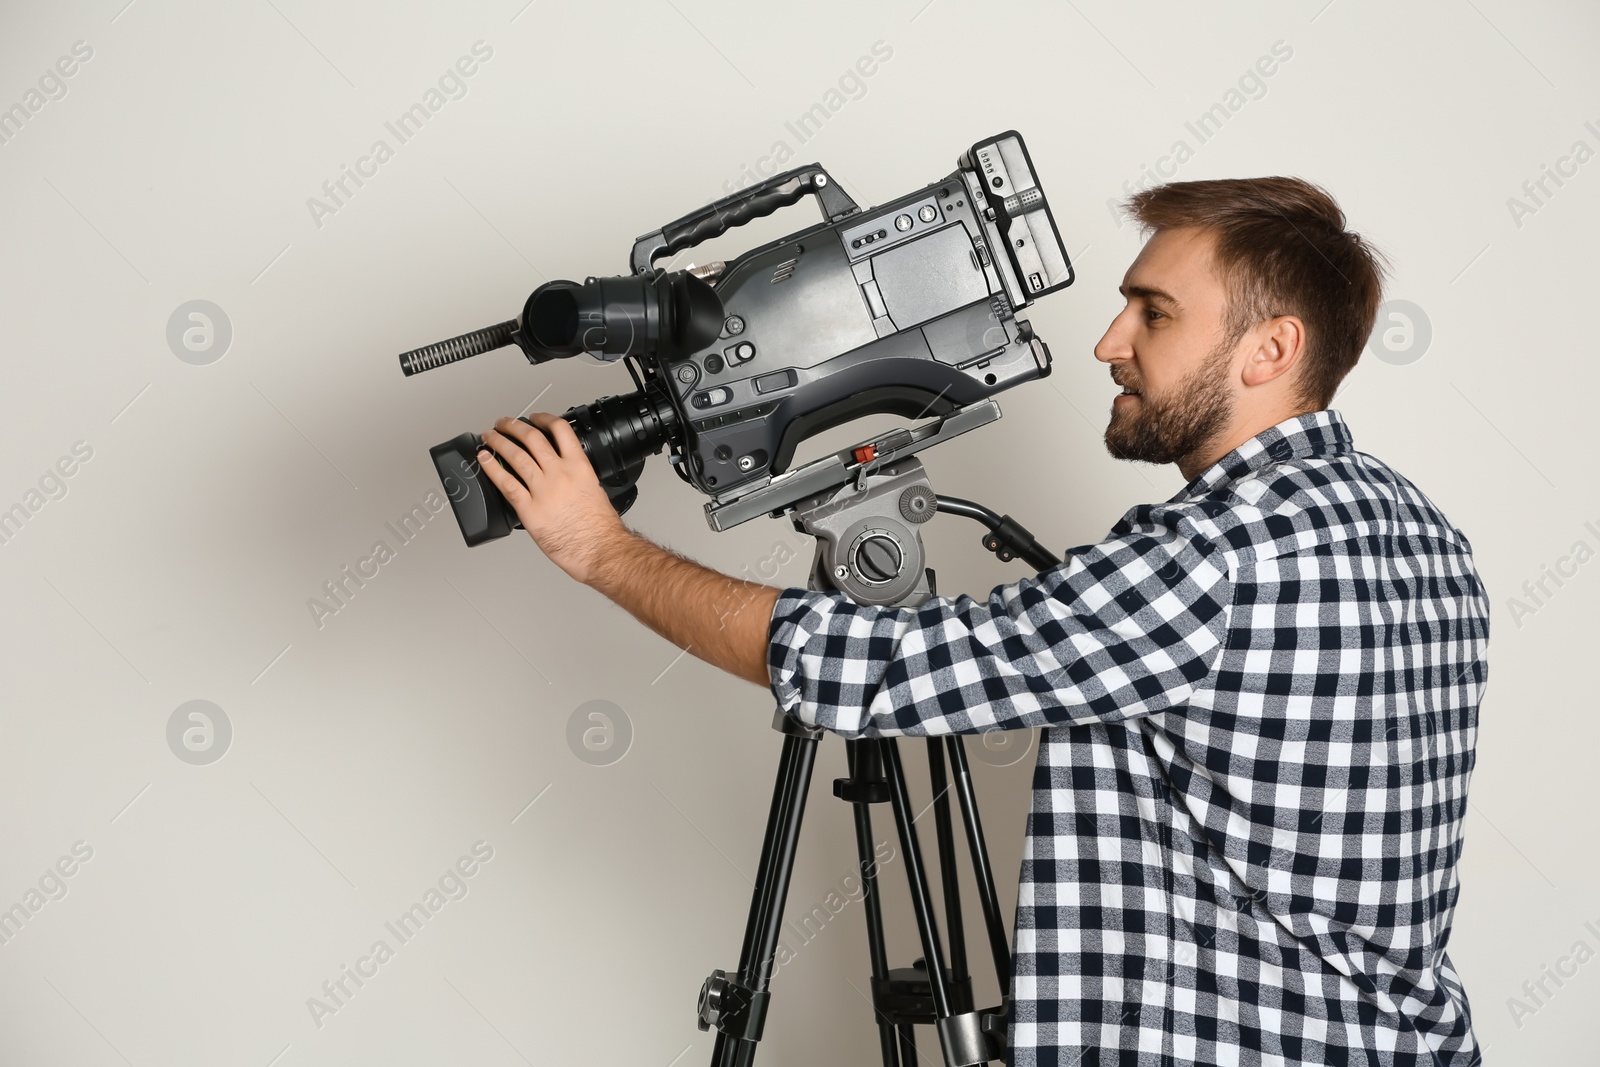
(908, 309)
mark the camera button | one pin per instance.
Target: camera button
(712, 397)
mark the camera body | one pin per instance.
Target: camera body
(908, 308)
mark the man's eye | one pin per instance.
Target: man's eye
(1151, 314)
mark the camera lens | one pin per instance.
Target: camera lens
(618, 434)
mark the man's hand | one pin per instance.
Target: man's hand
(556, 493)
(559, 499)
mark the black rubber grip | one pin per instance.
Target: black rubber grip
(1010, 538)
(759, 200)
(719, 218)
(458, 348)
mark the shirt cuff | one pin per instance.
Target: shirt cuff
(796, 616)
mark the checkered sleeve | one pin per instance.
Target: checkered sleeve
(1127, 627)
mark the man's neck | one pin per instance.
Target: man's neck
(1235, 434)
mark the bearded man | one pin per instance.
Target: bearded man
(1258, 699)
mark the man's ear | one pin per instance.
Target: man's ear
(1278, 346)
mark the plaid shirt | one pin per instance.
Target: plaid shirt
(1259, 702)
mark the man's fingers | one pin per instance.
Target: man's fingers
(503, 480)
(513, 455)
(536, 443)
(560, 431)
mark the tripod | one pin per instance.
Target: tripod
(869, 546)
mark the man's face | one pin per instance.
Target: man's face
(1168, 350)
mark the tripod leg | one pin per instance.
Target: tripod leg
(766, 910)
(782, 790)
(980, 863)
(961, 1035)
(783, 862)
(916, 876)
(908, 1043)
(945, 836)
(864, 766)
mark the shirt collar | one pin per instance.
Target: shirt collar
(1313, 434)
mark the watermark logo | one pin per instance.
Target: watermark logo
(342, 588)
(852, 85)
(850, 889)
(1002, 748)
(1537, 992)
(52, 85)
(52, 885)
(1251, 85)
(599, 732)
(1402, 334)
(1538, 592)
(199, 332)
(1538, 191)
(199, 732)
(52, 486)
(452, 885)
(338, 191)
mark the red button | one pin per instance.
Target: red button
(866, 453)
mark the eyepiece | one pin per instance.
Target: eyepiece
(628, 315)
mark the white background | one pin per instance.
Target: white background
(368, 754)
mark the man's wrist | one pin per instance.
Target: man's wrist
(608, 558)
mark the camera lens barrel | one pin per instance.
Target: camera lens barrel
(618, 434)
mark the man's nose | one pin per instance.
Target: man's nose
(1115, 346)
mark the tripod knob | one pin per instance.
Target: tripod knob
(732, 1007)
(877, 557)
(713, 999)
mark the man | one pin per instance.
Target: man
(1259, 699)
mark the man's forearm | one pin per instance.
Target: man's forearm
(722, 620)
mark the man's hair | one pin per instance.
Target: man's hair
(1281, 249)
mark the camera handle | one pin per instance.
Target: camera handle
(758, 201)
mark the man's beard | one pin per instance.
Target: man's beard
(1179, 422)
